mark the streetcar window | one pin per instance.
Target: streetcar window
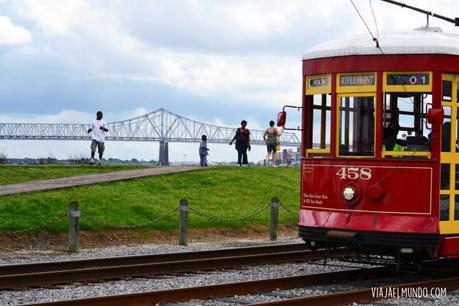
(456, 142)
(444, 207)
(321, 121)
(356, 136)
(446, 130)
(447, 90)
(405, 114)
(444, 179)
(456, 177)
(456, 207)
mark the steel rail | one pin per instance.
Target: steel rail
(223, 290)
(144, 259)
(365, 295)
(179, 264)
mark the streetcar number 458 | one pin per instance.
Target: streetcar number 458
(354, 173)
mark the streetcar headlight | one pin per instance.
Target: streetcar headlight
(406, 251)
(349, 193)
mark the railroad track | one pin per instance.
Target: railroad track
(225, 290)
(55, 273)
(366, 295)
(269, 287)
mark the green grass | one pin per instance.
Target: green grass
(218, 197)
(20, 174)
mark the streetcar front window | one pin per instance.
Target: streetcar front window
(321, 121)
(447, 90)
(405, 115)
(444, 207)
(446, 130)
(357, 119)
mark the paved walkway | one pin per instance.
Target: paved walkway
(89, 179)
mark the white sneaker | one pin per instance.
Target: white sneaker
(99, 162)
(91, 161)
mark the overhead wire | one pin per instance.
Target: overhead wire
(368, 28)
(374, 18)
(376, 40)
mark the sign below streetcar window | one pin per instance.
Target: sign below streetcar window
(408, 79)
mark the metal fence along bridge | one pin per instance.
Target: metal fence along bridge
(160, 126)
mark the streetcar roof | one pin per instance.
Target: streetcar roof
(419, 41)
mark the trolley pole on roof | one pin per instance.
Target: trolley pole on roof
(455, 21)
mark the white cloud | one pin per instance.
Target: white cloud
(71, 116)
(109, 46)
(207, 74)
(11, 34)
(249, 78)
(53, 17)
(112, 51)
(256, 19)
(123, 56)
(125, 115)
(65, 116)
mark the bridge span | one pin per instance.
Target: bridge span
(160, 126)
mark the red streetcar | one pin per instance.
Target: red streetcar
(380, 158)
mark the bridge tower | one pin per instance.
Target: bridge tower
(163, 153)
(163, 144)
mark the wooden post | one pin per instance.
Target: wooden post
(183, 207)
(274, 218)
(74, 227)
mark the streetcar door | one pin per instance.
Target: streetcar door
(449, 182)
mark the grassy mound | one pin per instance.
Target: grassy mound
(218, 197)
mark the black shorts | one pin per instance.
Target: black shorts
(99, 145)
(271, 147)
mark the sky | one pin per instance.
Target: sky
(213, 61)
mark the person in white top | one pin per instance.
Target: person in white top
(98, 129)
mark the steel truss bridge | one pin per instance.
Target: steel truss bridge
(160, 126)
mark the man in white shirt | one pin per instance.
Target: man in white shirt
(98, 129)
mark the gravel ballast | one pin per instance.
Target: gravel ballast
(80, 290)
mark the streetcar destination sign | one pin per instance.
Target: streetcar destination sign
(357, 79)
(408, 79)
(316, 82)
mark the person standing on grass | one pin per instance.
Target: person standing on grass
(242, 138)
(271, 137)
(98, 129)
(203, 151)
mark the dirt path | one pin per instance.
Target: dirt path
(58, 242)
(79, 180)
